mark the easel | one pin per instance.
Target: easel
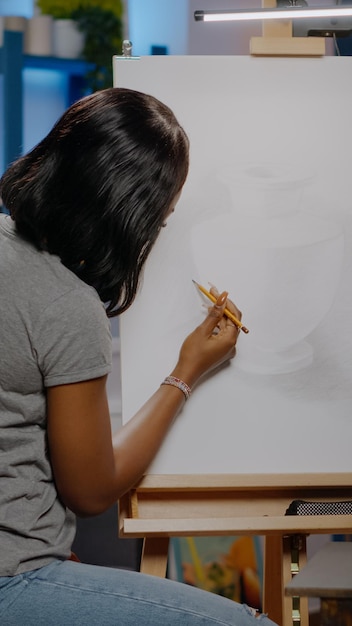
(161, 507)
(175, 505)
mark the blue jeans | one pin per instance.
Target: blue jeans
(66, 593)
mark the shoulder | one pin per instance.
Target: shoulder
(72, 334)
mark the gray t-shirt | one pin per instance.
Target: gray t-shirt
(53, 330)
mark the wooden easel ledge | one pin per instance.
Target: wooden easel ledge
(278, 40)
(224, 504)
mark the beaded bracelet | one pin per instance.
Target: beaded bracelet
(180, 384)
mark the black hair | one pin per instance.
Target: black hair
(96, 190)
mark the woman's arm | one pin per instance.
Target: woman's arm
(91, 469)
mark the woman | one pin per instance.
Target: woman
(86, 207)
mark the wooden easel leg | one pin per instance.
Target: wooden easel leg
(272, 587)
(283, 556)
(154, 556)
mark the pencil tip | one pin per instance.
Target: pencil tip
(245, 330)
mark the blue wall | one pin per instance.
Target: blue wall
(158, 22)
(16, 7)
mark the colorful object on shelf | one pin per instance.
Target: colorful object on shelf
(228, 566)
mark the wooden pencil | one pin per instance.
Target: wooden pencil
(228, 313)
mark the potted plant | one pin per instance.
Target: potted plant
(99, 23)
(102, 31)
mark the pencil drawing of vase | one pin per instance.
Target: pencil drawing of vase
(280, 263)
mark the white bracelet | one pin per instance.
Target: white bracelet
(180, 384)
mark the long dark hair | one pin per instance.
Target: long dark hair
(95, 191)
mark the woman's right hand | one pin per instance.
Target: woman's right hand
(211, 344)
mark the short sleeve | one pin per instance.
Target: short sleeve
(72, 339)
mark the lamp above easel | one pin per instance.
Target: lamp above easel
(277, 31)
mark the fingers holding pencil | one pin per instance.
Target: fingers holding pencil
(224, 325)
(213, 342)
(231, 312)
(229, 306)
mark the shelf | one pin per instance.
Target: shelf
(71, 67)
(12, 63)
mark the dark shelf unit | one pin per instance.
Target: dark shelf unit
(12, 63)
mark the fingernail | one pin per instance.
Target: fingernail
(222, 298)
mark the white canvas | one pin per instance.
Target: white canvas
(266, 214)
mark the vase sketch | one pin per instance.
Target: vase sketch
(280, 264)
